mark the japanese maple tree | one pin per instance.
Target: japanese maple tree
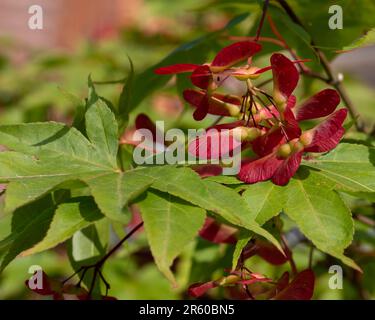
(76, 183)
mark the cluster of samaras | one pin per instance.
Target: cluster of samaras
(266, 123)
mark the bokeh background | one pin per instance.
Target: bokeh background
(40, 70)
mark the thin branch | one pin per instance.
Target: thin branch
(260, 26)
(119, 244)
(107, 285)
(316, 75)
(332, 79)
(311, 255)
(265, 82)
(290, 257)
(365, 220)
(99, 264)
(278, 35)
(217, 121)
(357, 282)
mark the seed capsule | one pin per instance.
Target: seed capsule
(306, 138)
(284, 151)
(246, 134)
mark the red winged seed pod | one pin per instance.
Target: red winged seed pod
(208, 76)
(268, 124)
(281, 149)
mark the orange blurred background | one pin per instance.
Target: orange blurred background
(66, 22)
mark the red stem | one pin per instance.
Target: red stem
(260, 26)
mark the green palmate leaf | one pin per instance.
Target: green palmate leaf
(101, 128)
(92, 95)
(314, 16)
(126, 157)
(349, 167)
(48, 155)
(309, 200)
(69, 218)
(229, 204)
(20, 192)
(170, 225)
(321, 215)
(112, 191)
(5, 226)
(27, 226)
(266, 200)
(79, 105)
(243, 240)
(47, 139)
(186, 184)
(292, 27)
(229, 180)
(32, 176)
(209, 195)
(354, 25)
(367, 40)
(43, 224)
(362, 138)
(61, 160)
(90, 243)
(79, 116)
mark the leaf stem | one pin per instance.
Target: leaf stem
(290, 256)
(311, 256)
(260, 26)
(99, 264)
(365, 220)
(119, 244)
(264, 83)
(217, 121)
